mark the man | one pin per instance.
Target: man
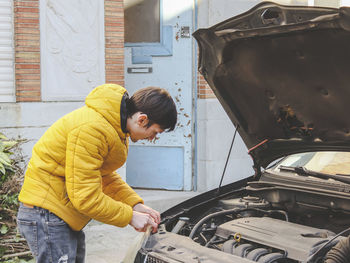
(340, 253)
(70, 177)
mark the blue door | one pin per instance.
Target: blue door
(158, 52)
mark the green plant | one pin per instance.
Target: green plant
(6, 168)
(13, 248)
(17, 260)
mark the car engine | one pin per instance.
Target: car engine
(260, 238)
(264, 239)
(246, 229)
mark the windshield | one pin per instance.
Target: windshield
(335, 163)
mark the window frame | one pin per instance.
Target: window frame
(142, 52)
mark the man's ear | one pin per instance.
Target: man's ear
(142, 120)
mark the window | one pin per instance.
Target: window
(142, 21)
(145, 32)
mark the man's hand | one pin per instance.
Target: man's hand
(147, 210)
(140, 221)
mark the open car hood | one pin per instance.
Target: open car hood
(282, 75)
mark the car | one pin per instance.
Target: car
(282, 75)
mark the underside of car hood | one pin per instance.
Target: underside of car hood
(282, 75)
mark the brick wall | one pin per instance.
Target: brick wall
(204, 91)
(27, 50)
(114, 37)
(27, 47)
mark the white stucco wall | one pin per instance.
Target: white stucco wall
(29, 120)
(215, 134)
(71, 48)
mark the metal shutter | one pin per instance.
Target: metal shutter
(7, 83)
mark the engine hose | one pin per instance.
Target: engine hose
(210, 241)
(224, 212)
(232, 211)
(314, 255)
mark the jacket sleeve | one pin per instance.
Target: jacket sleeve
(116, 188)
(86, 148)
(340, 252)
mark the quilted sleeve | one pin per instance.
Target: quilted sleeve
(340, 252)
(86, 147)
(115, 187)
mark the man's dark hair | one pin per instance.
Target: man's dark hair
(157, 104)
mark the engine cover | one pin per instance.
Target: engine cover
(294, 239)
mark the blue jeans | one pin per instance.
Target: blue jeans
(49, 238)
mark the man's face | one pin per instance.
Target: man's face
(139, 130)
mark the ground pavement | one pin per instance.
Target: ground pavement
(108, 244)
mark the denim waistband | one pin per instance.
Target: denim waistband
(37, 208)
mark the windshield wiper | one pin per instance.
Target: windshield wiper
(300, 170)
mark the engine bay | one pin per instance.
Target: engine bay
(256, 226)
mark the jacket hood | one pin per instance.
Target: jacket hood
(282, 75)
(106, 100)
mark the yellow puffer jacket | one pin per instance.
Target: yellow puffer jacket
(71, 172)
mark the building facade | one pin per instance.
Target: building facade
(53, 52)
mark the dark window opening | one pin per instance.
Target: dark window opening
(142, 21)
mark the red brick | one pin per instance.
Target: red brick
(115, 77)
(27, 25)
(115, 24)
(27, 71)
(115, 34)
(114, 29)
(116, 45)
(27, 66)
(27, 88)
(21, 20)
(26, 10)
(28, 93)
(117, 61)
(28, 48)
(28, 60)
(26, 3)
(119, 72)
(114, 56)
(30, 37)
(28, 82)
(111, 13)
(113, 19)
(114, 67)
(206, 96)
(114, 4)
(32, 43)
(27, 15)
(119, 51)
(29, 55)
(28, 31)
(27, 76)
(113, 40)
(114, 9)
